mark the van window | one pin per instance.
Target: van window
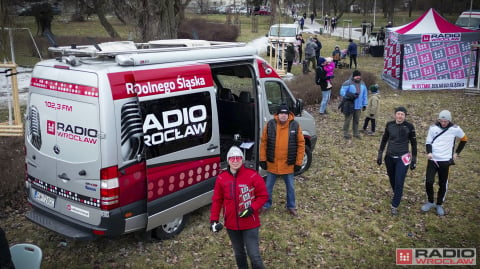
(282, 31)
(277, 94)
(176, 123)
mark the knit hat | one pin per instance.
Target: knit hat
(401, 109)
(283, 108)
(329, 59)
(321, 61)
(234, 151)
(356, 73)
(445, 115)
(373, 88)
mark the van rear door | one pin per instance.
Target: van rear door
(63, 142)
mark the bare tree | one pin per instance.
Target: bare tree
(99, 6)
(154, 19)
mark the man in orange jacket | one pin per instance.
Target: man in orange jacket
(282, 149)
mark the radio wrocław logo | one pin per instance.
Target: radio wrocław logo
(436, 256)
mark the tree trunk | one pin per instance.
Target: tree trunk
(99, 9)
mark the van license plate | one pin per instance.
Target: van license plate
(43, 199)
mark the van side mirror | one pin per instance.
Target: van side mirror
(298, 107)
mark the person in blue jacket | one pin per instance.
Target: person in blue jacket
(354, 89)
(352, 52)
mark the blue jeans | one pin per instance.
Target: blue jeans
(396, 171)
(325, 99)
(246, 239)
(288, 178)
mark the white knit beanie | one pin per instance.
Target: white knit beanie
(234, 151)
(445, 115)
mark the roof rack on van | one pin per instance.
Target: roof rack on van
(111, 49)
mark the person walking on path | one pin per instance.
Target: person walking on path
(240, 192)
(282, 149)
(354, 100)
(352, 52)
(440, 144)
(398, 133)
(321, 80)
(372, 109)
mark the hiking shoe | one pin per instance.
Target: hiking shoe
(371, 133)
(358, 137)
(347, 137)
(394, 211)
(427, 206)
(440, 210)
(292, 211)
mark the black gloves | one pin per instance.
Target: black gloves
(263, 165)
(246, 213)
(297, 168)
(363, 108)
(371, 115)
(379, 158)
(413, 163)
(216, 226)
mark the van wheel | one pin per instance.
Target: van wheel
(171, 229)
(307, 160)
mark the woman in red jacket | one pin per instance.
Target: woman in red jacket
(240, 192)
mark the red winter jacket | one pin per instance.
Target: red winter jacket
(235, 194)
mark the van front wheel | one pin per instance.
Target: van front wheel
(171, 229)
(307, 160)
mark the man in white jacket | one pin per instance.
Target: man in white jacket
(440, 144)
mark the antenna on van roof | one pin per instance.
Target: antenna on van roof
(111, 49)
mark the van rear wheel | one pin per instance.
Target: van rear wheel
(171, 229)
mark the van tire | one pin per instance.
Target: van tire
(307, 161)
(171, 229)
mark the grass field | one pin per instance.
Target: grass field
(343, 201)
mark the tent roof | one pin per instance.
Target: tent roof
(430, 22)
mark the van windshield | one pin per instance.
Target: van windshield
(468, 22)
(282, 31)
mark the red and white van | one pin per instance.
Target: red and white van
(122, 137)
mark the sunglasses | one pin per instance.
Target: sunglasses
(235, 159)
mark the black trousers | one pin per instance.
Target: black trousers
(442, 168)
(365, 124)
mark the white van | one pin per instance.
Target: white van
(469, 19)
(120, 139)
(278, 33)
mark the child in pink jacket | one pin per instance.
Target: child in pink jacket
(329, 68)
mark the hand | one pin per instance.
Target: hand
(413, 163)
(379, 158)
(246, 213)
(364, 108)
(216, 226)
(372, 115)
(297, 168)
(263, 165)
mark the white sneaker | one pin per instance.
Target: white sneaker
(427, 206)
(440, 210)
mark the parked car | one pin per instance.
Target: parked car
(262, 10)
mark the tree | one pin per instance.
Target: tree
(154, 19)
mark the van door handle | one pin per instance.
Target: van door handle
(212, 146)
(64, 176)
(82, 173)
